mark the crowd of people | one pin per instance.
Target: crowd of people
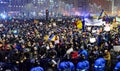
(25, 44)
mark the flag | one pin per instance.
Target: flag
(102, 14)
(46, 37)
(52, 38)
(79, 24)
(117, 19)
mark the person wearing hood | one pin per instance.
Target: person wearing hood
(66, 66)
(99, 64)
(84, 52)
(37, 69)
(83, 65)
(117, 67)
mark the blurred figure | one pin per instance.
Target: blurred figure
(37, 69)
(99, 64)
(66, 66)
(83, 65)
(84, 52)
(52, 60)
(107, 57)
(117, 67)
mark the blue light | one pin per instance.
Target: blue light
(15, 31)
(3, 16)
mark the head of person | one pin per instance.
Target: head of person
(66, 66)
(118, 58)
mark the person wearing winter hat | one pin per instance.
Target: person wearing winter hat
(83, 65)
(66, 66)
(117, 67)
(99, 64)
(37, 69)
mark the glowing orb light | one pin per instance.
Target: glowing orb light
(15, 31)
(3, 16)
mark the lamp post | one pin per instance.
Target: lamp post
(112, 6)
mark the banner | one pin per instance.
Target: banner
(117, 19)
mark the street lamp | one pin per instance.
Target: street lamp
(112, 5)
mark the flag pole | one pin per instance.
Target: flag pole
(112, 7)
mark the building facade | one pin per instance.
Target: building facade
(56, 7)
(4, 6)
(84, 5)
(12, 5)
(105, 4)
(79, 5)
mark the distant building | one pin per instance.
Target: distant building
(17, 5)
(105, 4)
(12, 5)
(117, 5)
(3, 6)
(83, 5)
(79, 5)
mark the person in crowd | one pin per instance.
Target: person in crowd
(52, 60)
(66, 66)
(99, 64)
(84, 52)
(107, 57)
(26, 44)
(117, 67)
(83, 64)
(37, 69)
